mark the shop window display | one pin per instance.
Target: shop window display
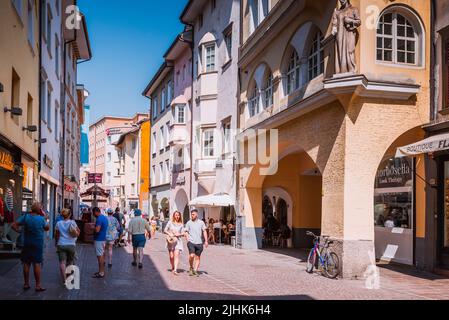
(393, 194)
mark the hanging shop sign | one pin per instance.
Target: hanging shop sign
(95, 178)
(69, 188)
(6, 160)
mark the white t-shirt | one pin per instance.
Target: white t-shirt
(64, 235)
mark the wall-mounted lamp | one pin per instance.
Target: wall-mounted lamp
(30, 128)
(15, 111)
(43, 140)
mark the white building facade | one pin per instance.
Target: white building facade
(214, 111)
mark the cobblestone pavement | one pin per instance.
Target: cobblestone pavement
(227, 273)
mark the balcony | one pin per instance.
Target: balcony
(205, 166)
(178, 134)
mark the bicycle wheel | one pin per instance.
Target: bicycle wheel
(331, 265)
(311, 261)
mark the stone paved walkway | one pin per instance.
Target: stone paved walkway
(227, 273)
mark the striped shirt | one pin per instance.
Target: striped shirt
(9, 199)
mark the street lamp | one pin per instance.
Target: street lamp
(15, 111)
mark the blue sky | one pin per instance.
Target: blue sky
(128, 39)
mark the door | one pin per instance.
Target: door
(443, 217)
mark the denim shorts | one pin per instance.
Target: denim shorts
(99, 248)
(139, 240)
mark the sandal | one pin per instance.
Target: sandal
(98, 275)
(40, 289)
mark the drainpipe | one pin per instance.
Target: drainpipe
(39, 152)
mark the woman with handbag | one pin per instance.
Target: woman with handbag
(174, 231)
(66, 235)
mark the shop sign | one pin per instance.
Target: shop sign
(6, 160)
(48, 162)
(95, 178)
(395, 173)
(69, 188)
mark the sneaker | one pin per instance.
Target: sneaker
(134, 264)
(110, 265)
(195, 273)
(191, 272)
(140, 266)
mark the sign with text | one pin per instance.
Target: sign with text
(6, 160)
(95, 178)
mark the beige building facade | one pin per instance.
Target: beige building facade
(334, 134)
(19, 118)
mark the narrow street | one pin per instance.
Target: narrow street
(227, 273)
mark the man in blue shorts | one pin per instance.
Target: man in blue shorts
(101, 227)
(137, 229)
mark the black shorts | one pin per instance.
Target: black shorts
(196, 249)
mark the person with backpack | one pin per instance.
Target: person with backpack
(34, 228)
(111, 235)
(121, 220)
(66, 235)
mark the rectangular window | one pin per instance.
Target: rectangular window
(161, 173)
(153, 175)
(56, 121)
(109, 157)
(180, 114)
(167, 171)
(57, 55)
(167, 133)
(162, 140)
(227, 137)
(154, 108)
(133, 145)
(15, 94)
(43, 90)
(210, 57)
(49, 18)
(49, 111)
(163, 101)
(133, 188)
(153, 144)
(29, 113)
(31, 22)
(228, 42)
(208, 143)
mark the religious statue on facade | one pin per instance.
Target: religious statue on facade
(345, 22)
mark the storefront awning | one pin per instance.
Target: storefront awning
(212, 200)
(432, 144)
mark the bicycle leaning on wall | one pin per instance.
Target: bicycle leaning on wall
(322, 257)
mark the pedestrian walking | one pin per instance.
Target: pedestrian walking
(153, 222)
(121, 220)
(111, 235)
(34, 227)
(101, 228)
(137, 229)
(174, 231)
(66, 234)
(195, 230)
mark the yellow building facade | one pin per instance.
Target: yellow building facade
(19, 99)
(336, 133)
(144, 194)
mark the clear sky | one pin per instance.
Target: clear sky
(128, 39)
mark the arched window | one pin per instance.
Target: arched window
(398, 39)
(293, 72)
(253, 102)
(268, 91)
(316, 57)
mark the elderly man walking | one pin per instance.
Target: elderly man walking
(137, 229)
